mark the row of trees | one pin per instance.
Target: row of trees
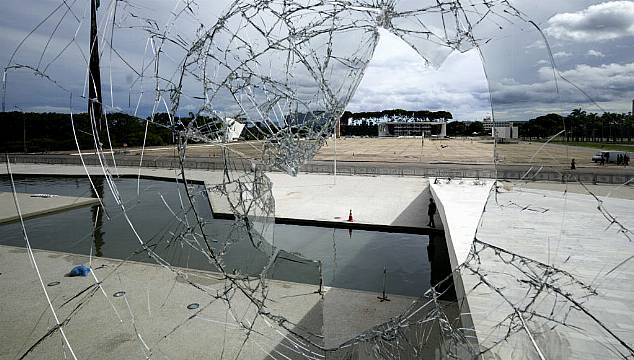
(462, 128)
(365, 128)
(41, 132)
(420, 115)
(581, 126)
(366, 123)
(455, 128)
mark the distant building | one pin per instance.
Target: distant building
(489, 124)
(404, 126)
(389, 129)
(500, 130)
(505, 133)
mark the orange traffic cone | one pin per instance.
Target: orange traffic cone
(350, 216)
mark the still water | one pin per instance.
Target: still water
(348, 259)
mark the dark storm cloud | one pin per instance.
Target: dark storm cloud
(608, 87)
(395, 78)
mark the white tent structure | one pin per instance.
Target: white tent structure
(234, 129)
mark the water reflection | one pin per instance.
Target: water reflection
(438, 257)
(352, 259)
(97, 216)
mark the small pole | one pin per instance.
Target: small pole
(94, 72)
(334, 170)
(383, 297)
(320, 291)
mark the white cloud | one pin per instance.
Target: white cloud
(595, 53)
(562, 54)
(606, 78)
(605, 21)
(397, 77)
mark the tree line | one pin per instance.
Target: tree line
(581, 126)
(465, 128)
(421, 115)
(366, 123)
(42, 132)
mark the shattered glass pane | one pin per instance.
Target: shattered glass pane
(283, 72)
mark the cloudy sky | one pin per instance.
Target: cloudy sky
(397, 77)
(590, 43)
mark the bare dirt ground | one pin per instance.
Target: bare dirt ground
(413, 150)
(459, 151)
(249, 149)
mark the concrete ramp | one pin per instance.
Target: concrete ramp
(460, 204)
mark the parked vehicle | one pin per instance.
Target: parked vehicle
(610, 156)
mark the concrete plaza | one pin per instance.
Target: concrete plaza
(561, 227)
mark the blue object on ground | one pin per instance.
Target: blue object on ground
(79, 270)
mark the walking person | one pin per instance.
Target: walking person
(431, 211)
(573, 166)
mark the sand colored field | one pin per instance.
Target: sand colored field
(412, 150)
(250, 149)
(466, 151)
(459, 151)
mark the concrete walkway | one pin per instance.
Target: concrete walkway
(379, 200)
(32, 205)
(569, 232)
(154, 312)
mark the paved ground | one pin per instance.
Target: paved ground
(538, 232)
(152, 317)
(378, 200)
(607, 191)
(564, 229)
(31, 206)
